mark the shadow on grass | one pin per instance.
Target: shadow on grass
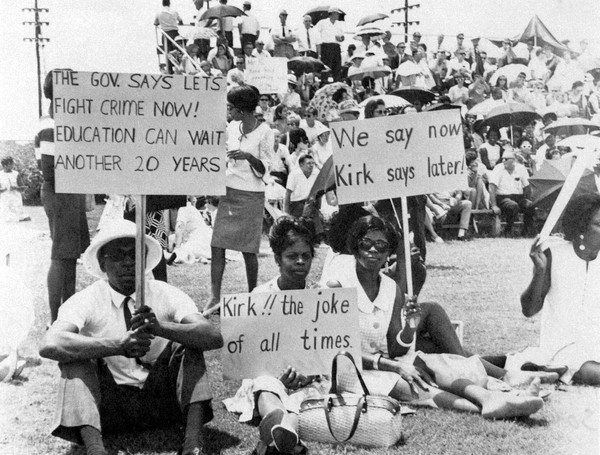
(443, 267)
(161, 440)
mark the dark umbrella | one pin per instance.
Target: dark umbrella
(322, 12)
(537, 32)
(414, 95)
(372, 18)
(510, 114)
(571, 126)
(324, 182)
(221, 11)
(305, 64)
(441, 107)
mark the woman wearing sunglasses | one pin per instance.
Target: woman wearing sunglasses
(392, 339)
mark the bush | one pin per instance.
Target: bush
(25, 163)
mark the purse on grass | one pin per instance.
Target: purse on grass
(367, 420)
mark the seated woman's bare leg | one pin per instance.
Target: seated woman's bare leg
(434, 398)
(277, 425)
(588, 374)
(435, 322)
(494, 405)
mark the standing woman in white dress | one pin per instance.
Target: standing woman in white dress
(238, 225)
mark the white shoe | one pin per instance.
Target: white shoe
(438, 239)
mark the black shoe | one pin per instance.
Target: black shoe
(172, 259)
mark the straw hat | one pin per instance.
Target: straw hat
(118, 229)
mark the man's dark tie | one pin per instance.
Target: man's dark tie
(283, 30)
(127, 315)
(308, 38)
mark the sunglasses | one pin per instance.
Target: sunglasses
(120, 255)
(381, 246)
(264, 99)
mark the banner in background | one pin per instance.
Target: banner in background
(268, 75)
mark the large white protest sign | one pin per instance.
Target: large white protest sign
(268, 75)
(400, 155)
(264, 333)
(139, 133)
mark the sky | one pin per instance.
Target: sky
(119, 36)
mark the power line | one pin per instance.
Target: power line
(39, 41)
(405, 9)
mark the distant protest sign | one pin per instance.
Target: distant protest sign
(268, 75)
(139, 133)
(264, 333)
(400, 155)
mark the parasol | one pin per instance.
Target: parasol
(372, 71)
(221, 11)
(322, 12)
(510, 114)
(369, 31)
(306, 64)
(372, 18)
(408, 68)
(571, 126)
(485, 107)
(441, 107)
(322, 99)
(415, 95)
(511, 72)
(389, 100)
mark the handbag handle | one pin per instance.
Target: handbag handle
(334, 386)
(361, 407)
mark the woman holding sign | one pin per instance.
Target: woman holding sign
(389, 327)
(276, 401)
(238, 225)
(565, 287)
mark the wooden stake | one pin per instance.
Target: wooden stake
(140, 250)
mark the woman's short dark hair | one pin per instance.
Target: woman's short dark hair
(287, 230)
(371, 106)
(278, 110)
(297, 135)
(371, 223)
(312, 111)
(245, 98)
(338, 95)
(524, 139)
(6, 161)
(338, 228)
(470, 156)
(578, 214)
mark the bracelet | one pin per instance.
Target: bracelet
(402, 343)
(376, 360)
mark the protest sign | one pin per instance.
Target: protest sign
(268, 75)
(400, 155)
(266, 332)
(139, 133)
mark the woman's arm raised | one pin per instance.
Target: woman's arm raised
(532, 299)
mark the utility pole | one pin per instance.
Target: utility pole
(39, 43)
(406, 8)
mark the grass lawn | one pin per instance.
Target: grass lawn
(478, 282)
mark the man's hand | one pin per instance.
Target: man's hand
(496, 209)
(136, 343)
(292, 379)
(144, 320)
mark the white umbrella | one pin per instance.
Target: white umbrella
(485, 107)
(511, 72)
(408, 68)
(372, 71)
(389, 100)
(199, 33)
(368, 30)
(581, 142)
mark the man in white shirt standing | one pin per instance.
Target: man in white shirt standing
(308, 38)
(168, 21)
(128, 367)
(509, 191)
(249, 27)
(299, 183)
(283, 37)
(331, 34)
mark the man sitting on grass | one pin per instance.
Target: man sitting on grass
(128, 369)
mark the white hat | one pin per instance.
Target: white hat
(118, 229)
(292, 79)
(333, 9)
(349, 106)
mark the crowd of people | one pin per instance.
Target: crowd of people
(125, 366)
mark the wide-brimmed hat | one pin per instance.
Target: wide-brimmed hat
(291, 79)
(118, 229)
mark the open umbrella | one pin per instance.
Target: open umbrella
(408, 68)
(441, 107)
(511, 72)
(322, 99)
(389, 100)
(485, 107)
(199, 33)
(371, 71)
(322, 12)
(415, 95)
(571, 126)
(581, 142)
(221, 11)
(369, 31)
(324, 182)
(306, 64)
(539, 33)
(510, 114)
(372, 18)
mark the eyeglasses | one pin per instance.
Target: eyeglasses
(381, 246)
(264, 99)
